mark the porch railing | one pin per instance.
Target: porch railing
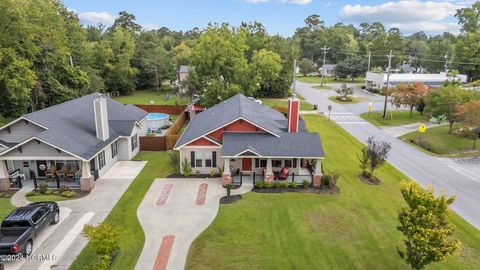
(56, 183)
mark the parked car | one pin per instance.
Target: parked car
(24, 225)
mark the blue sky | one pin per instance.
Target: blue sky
(278, 16)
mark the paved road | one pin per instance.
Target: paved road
(460, 177)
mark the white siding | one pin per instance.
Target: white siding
(123, 149)
(108, 159)
(185, 153)
(20, 131)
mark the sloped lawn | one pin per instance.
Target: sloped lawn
(124, 214)
(355, 229)
(394, 118)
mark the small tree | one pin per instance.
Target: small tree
(187, 167)
(364, 159)
(408, 95)
(228, 187)
(104, 242)
(428, 234)
(174, 160)
(377, 152)
(306, 66)
(344, 92)
(469, 116)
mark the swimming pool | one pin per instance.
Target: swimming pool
(157, 120)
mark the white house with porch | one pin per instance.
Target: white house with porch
(74, 142)
(246, 138)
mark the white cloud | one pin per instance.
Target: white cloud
(93, 17)
(407, 15)
(298, 2)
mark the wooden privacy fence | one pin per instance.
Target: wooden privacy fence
(170, 109)
(166, 142)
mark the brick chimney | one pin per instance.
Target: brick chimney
(101, 118)
(293, 113)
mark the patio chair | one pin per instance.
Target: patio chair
(283, 173)
(73, 170)
(51, 171)
(63, 171)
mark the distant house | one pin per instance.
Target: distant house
(182, 76)
(246, 138)
(327, 70)
(379, 80)
(406, 68)
(76, 141)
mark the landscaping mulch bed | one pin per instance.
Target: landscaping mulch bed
(78, 194)
(231, 199)
(8, 193)
(323, 190)
(369, 181)
(179, 175)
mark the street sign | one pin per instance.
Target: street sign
(422, 128)
(370, 106)
(329, 111)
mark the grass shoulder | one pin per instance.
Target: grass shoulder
(355, 229)
(437, 141)
(124, 214)
(394, 118)
(322, 87)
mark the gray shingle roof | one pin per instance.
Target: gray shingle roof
(71, 125)
(229, 110)
(302, 144)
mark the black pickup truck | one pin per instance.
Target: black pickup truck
(23, 225)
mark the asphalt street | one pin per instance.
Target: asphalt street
(460, 177)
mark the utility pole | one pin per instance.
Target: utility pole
(369, 57)
(294, 77)
(388, 82)
(324, 49)
(446, 62)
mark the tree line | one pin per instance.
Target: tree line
(350, 46)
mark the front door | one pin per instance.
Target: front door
(41, 168)
(246, 164)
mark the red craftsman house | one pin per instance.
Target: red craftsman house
(246, 138)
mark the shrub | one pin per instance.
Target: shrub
(56, 192)
(326, 180)
(229, 189)
(259, 184)
(42, 188)
(267, 184)
(286, 184)
(197, 172)
(174, 160)
(68, 194)
(6, 195)
(293, 184)
(104, 241)
(49, 192)
(212, 173)
(187, 167)
(363, 87)
(220, 170)
(63, 188)
(305, 184)
(277, 184)
(334, 176)
(31, 193)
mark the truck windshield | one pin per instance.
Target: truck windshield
(15, 223)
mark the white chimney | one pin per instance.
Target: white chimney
(101, 118)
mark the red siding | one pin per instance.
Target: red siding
(237, 126)
(201, 142)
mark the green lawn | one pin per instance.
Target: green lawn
(283, 102)
(438, 141)
(124, 214)
(318, 79)
(353, 101)
(5, 207)
(394, 118)
(355, 229)
(146, 96)
(320, 87)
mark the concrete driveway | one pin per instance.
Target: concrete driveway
(457, 176)
(65, 242)
(173, 213)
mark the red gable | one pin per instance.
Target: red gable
(237, 126)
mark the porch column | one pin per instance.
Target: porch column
(4, 176)
(317, 175)
(226, 175)
(86, 182)
(269, 172)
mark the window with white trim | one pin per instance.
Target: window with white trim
(134, 141)
(114, 149)
(198, 159)
(288, 163)
(101, 160)
(276, 163)
(208, 159)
